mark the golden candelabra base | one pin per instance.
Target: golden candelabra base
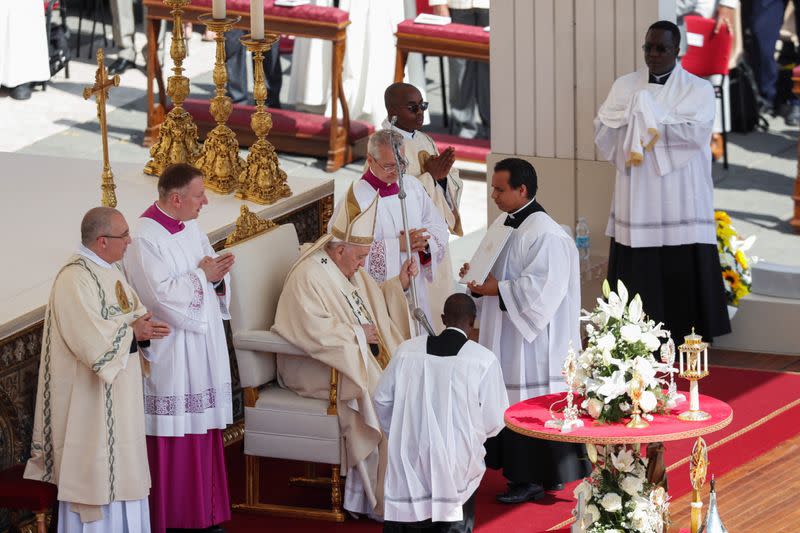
(694, 416)
(177, 139)
(262, 180)
(637, 422)
(109, 197)
(219, 158)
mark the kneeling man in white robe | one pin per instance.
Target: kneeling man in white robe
(333, 310)
(530, 312)
(439, 399)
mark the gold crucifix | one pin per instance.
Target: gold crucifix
(102, 83)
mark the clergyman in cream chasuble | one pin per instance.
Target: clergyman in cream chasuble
(88, 434)
(318, 312)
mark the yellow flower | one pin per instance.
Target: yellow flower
(741, 259)
(722, 216)
(732, 277)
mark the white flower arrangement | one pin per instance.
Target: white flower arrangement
(618, 497)
(620, 356)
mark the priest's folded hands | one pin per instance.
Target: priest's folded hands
(487, 288)
(215, 268)
(145, 328)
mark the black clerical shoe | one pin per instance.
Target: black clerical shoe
(555, 487)
(522, 492)
(21, 92)
(119, 66)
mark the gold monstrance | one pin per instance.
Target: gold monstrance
(102, 83)
(698, 468)
(262, 181)
(177, 138)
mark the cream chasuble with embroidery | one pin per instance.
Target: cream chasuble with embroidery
(88, 433)
(321, 312)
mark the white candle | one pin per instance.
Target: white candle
(257, 19)
(681, 362)
(705, 360)
(218, 9)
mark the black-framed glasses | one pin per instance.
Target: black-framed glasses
(123, 236)
(658, 48)
(416, 107)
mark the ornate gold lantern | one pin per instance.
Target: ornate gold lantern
(693, 356)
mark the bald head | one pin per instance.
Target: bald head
(105, 232)
(97, 222)
(459, 312)
(404, 101)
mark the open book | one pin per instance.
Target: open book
(434, 20)
(486, 255)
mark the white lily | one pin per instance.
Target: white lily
(616, 307)
(623, 460)
(611, 502)
(612, 386)
(622, 291)
(635, 309)
(651, 341)
(630, 333)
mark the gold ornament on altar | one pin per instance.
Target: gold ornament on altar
(102, 83)
(219, 158)
(177, 138)
(262, 181)
(698, 469)
(248, 225)
(693, 356)
(635, 390)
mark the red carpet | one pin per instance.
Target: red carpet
(766, 403)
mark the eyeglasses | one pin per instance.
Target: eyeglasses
(659, 48)
(390, 168)
(416, 107)
(123, 236)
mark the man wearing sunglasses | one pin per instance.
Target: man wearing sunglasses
(435, 171)
(655, 127)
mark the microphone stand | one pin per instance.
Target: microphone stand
(400, 161)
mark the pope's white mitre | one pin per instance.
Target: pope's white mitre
(352, 225)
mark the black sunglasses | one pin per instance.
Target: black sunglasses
(416, 107)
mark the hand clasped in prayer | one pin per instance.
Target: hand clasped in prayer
(215, 268)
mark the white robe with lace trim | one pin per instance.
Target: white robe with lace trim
(188, 390)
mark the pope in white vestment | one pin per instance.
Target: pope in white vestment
(88, 433)
(530, 313)
(655, 127)
(387, 253)
(435, 171)
(332, 309)
(439, 399)
(187, 399)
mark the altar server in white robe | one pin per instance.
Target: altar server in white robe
(655, 127)
(88, 431)
(427, 228)
(435, 171)
(334, 311)
(187, 398)
(439, 399)
(530, 312)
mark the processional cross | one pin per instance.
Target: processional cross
(102, 83)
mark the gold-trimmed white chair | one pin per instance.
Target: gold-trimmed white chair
(277, 423)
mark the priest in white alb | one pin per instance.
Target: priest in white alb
(530, 312)
(439, 399)
(333, 310)
(655, 128)
(404, 104)
(88, 430)
(427, 229)
(187, 394)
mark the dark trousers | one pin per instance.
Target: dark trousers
(465, 525)
(765, 20)
(236, 65)
(469, 83)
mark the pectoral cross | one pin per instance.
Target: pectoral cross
(102, 83)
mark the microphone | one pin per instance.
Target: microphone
(419, 315)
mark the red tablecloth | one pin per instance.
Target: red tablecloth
(528, 417)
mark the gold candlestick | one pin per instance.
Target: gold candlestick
(698, 468)
(262, 181)
(219, 158)
(102, 83)
(177, 139)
